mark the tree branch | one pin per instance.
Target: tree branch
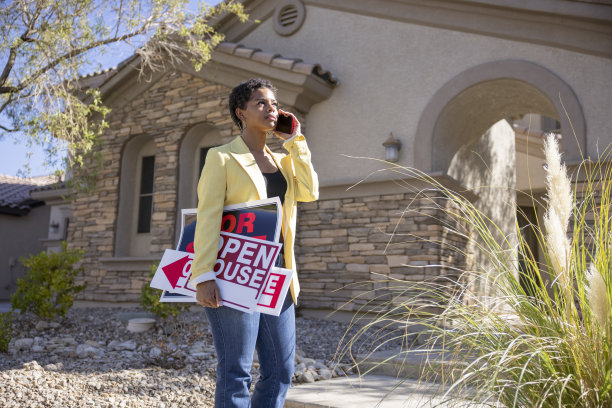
(8, 130)
(25, 38)
(8, 67)
(72, 54)
(9, 89)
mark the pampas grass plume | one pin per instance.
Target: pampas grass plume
(560, 205)
(597, 296)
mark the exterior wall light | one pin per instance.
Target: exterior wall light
(392, 146)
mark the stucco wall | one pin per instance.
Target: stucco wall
(20, 237)
(487, 168)
(389, 71)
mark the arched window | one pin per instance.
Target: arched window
(136, 198)
(194, 147)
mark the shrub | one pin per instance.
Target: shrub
(547, 343)
(48, 289)
(6, 320)
(149, 299)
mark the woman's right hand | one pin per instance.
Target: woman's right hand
(207, 294)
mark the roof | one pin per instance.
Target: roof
(15, 192)
(100, 78)
(277, 60)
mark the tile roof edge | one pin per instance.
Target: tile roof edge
(276, 60)
(39, 181)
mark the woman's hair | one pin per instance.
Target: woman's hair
(241, 94)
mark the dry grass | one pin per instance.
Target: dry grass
(549, 345)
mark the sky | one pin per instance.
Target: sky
(14, 152)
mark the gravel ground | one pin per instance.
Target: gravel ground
(90, 359)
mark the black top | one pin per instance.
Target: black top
(276, 185)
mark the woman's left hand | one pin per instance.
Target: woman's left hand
(295, 126)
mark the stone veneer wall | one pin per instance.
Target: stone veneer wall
(349, 250)
(164, 112)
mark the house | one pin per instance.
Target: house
(466, 87)
(33, 218)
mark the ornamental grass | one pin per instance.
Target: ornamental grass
(543, 336)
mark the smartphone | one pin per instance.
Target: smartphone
(284, 123)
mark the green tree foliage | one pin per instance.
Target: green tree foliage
(47, 44)
(149, 299)
(49, 288)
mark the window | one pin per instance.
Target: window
(145, 202)
(136, 186)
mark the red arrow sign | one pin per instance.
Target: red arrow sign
(177, 270)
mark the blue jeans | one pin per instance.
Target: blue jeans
(236, 336)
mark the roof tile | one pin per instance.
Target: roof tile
(303, 68)
(286, 63)
(15, 191)
(264, 57)
(227, 47)
(277, 60)
(245, 52)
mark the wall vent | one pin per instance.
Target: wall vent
(289, 16)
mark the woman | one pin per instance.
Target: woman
(241, 171)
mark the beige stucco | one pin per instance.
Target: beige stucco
(486, 166)
(389, 71)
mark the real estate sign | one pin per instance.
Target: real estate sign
(245, 271)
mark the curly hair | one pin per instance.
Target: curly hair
(241, 94)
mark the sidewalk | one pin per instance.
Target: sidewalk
(5, 307)
(369, 391)
(392, 382)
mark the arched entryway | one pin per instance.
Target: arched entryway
(466, 132)
(469, 104)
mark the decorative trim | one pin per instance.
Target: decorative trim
(299, 84)
(396, 186)
(53, 196)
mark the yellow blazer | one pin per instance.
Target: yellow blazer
(231, 169)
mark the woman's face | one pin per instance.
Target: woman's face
(260, 112)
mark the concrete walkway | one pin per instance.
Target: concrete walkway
(369, 391)
(392, 381)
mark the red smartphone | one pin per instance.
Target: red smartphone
(284, 123)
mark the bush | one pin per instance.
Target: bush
(547, 343)
(149, 299)
(6, 320)
(48, 289)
